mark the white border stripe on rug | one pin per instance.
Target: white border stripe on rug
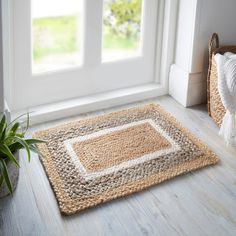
(127, 164)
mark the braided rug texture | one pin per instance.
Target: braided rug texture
(102, 158)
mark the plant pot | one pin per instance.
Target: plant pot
(13, 172)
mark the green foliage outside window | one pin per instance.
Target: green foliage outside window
(60, 35)
(123, 17)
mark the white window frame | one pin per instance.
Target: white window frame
(167, 14)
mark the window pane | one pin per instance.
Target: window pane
(121, 29)
(56, 34)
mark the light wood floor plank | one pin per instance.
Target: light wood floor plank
(199, 203)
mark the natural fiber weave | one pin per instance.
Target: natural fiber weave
(215, 107)
(99, 159)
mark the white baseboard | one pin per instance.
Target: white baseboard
(95, 102)
(187, 88)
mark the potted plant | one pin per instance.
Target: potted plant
(12, 139)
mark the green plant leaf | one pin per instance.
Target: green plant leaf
(17, 118)
(5, 150)
(25, 145)
(9, 138)
(13, 139)
(21, 135)
(1, 179)
(3, 133)
(35, 150)
(27, 123)
(2, 123)
(15, 127)
(34, 141)
(15, 146)
(6, 175)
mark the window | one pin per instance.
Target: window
(73, 48)
(56, 34)
(122, 22)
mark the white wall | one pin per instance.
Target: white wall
(6, 52)
(184, 37)
(197, 20)
(214, 16)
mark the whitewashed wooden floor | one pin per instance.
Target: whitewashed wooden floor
(199, 203)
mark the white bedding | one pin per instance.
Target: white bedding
(226, 68)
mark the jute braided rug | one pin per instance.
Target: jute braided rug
(99, 159)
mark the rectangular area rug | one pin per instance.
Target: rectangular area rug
(102, 158)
